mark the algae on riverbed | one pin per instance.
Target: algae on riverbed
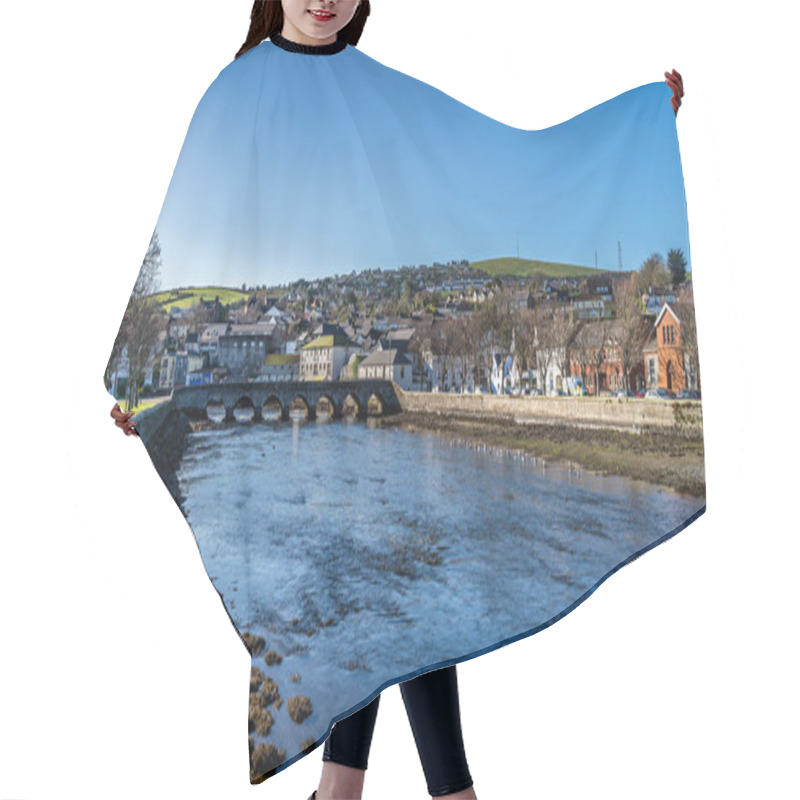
(656, 456)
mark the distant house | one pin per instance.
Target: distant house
(280, 367)
(121, 372)
(349, 372)
(666, 364)
(209, 340)
(390, 365)
(176, 367)
(193, 343)
(398, 339)
(177, 328)
(553, 381)
(592, 306)
(599, 285)
(654, 301)
(505, 373)
(245, 346)
(521, 298)
(323, 358)
(595, 356)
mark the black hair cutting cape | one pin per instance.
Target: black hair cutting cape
(385, 351)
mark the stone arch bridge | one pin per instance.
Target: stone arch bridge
(194, 400)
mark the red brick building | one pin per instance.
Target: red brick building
(664, 359)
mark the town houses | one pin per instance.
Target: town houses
(468, 332)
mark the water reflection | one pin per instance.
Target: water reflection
(362, 552)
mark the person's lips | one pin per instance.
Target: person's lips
(321, 15)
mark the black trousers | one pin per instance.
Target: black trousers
(431, 701)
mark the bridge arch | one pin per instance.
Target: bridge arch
(244, 409)
(227, 402)
(352, 407)
(273, 409)
(215, 409)
(375, 405)
(320, 411)
(301, 405)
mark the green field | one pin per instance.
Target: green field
(526, 267)
(187, 296)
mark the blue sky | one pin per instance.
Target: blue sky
(298, 165)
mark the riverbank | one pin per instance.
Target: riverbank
(656, 456)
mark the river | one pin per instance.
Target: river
(363, 554)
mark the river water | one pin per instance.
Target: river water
(366, 554)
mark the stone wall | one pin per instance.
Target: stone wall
(685, 417)
(163, 430)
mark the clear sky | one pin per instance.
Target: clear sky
(299, 165)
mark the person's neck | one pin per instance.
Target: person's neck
(293, 34)
(331, 48)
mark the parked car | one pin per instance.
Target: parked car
(623, 393)
(641, 393)
(660, 394)
(688, 394)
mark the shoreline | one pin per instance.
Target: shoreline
(659, 457)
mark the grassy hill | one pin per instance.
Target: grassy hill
(526, 267)
(189, 295)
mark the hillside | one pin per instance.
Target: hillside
(527, 267)
(189, 295)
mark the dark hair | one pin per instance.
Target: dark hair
(266, 18)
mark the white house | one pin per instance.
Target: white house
(390, 365)
(323, 357)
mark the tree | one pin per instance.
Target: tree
(473, 347)
(653, 274)
(604, 341)
(632, 329)
(550, 351)
(562, 332)
(676, 262)
(684, 308)
(418, 346)
(590, 347)
(142, 322)
(525, 339)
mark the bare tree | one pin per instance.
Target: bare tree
(142, 322)
(438, 348)
(632, 329)
(499, 320)
(474, 341)
(562, 332)
(450, 333)
(684, 308)
(605, 340)
(551, 351)
(581, 347)
(590, 348)
(418, 346)
(462, 347)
